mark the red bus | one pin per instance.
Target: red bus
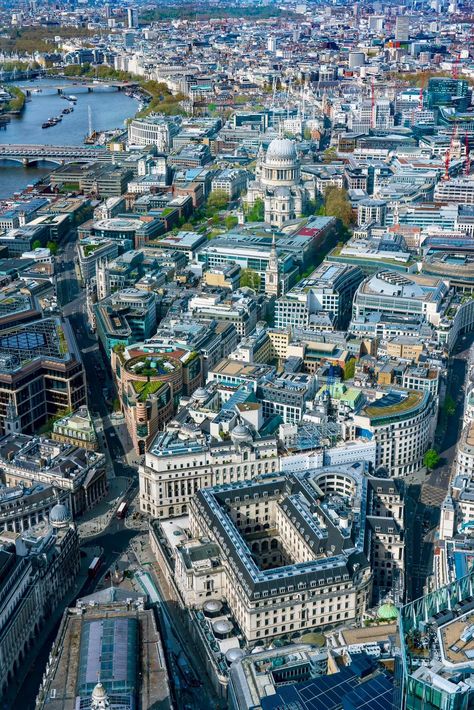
(94, 566)
(122, 509)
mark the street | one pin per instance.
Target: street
(119, 541)
(425, 492)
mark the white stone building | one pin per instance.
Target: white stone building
(278, 183)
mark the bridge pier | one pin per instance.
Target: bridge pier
(25, 162)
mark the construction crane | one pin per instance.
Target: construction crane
(447, 160)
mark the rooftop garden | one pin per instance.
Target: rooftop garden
(379, 409)
(90, 248)
(151, 367)
(145, 389)
(63, 346)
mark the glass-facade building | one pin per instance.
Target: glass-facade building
(435, 669)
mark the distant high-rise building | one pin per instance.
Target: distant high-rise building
(132, 17)
(108, 11)
(128, 39)
(376, 23)
(271, 44)
(402, 28)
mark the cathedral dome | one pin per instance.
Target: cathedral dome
(281, 150)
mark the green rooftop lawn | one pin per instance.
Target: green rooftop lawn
(411, 400)
(144, 389)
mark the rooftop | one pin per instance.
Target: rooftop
(394, 403)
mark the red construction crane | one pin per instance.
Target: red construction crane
(447, 160)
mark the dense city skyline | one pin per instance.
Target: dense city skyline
(236, 355)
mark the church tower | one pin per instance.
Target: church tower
(259, 163)
(272, 277)
(12, 421)
(102, 279)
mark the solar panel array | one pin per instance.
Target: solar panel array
(325, 693)
(332, 692)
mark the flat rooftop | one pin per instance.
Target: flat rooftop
(454, 650)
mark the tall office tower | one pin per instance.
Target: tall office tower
(402, 28)
(376, 23)
(271, 44)
(108, 12)
(132, 17)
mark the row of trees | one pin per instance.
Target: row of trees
(17, 102)
(162, 99)
(52, 246)
(28, 40)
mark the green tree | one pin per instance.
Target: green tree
(431, 459)
(231, 221)
(217, 200)
(311, 208)
(36, 244)
(330, 154)
(336, 204)
(53, 247)
(449, 406)
(250, 279)
(257, 212)
(187, 227)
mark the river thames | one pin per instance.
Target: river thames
(109, 109)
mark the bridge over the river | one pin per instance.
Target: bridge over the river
(57, 154)
(69, 87)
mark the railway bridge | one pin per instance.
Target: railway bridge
(55, 154)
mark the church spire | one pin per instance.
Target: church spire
(12, 422)
(272, 277)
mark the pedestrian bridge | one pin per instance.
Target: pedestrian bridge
(56, 154)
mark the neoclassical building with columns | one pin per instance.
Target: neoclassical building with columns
(77, 476)
(278, 183)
